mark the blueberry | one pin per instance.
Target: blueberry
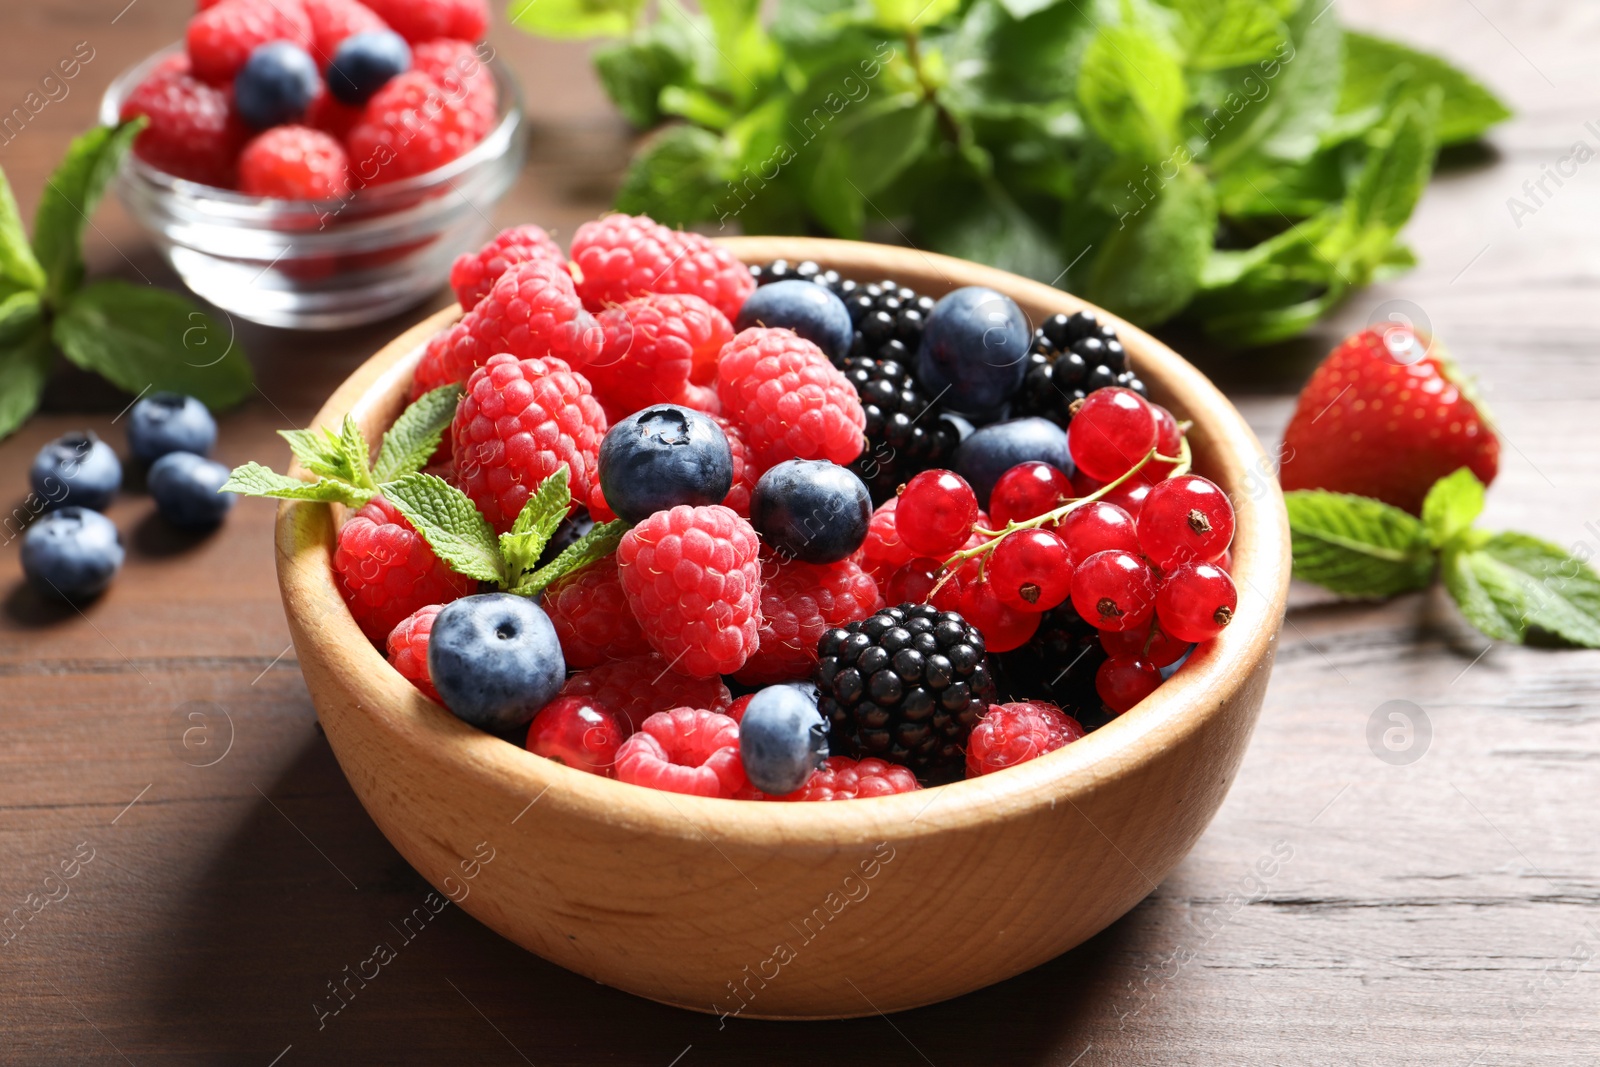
(275, 85)
(782, 739)
(71, 554)
(495, 660)
(804, 307)
(811, 510)
(661, 457)
(572, 528)
(974, 349)
(169, 422)
(76, 469)
(364, 63)
(990, 452)
(186, 490)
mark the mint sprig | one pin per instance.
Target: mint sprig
(137, 337)
(1511, 586)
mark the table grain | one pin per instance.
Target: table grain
(1435, 909)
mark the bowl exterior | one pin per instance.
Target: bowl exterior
(816, 910)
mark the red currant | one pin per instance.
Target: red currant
(952, 595)
(1169, 441)
(1112, 430)
(1154, 646)
(912, 583)
(1083, 485)
(1030, 570)
(1003, 628)
(1114, 590)
(577, 732)
(937, 511)
(1196, 601)
(1129, 496)
(1122, 683)
(1097, 527)
(1027, 491)
(1185, 518)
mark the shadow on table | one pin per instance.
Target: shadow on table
(267, 948)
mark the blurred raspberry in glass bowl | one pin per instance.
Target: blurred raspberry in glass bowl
(403, 184)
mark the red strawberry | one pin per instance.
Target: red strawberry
(1386, 415)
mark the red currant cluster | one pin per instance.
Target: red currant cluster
(1138, 545)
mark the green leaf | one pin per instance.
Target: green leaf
(320, 451)
(899, 16)
(25, 357)
(1510, 585)
(598, 543)
(1284, 103)
(17, 262)
(253, 479)
(1451, 505)
(69, 199)
(353, 443)
(867, 148)
(1150, 266)
(1397, 169)
(679, 178)
(1228, 33)
(535, 525)
(567, 19)
(1132, 93)
(138, 337)
(981, 222)
(1356, 546)
(412, 440)
(451, 524)
(1371, 63)
(633, 74)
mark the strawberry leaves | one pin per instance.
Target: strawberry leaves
(1511, 586)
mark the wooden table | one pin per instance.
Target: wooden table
(1438, 911)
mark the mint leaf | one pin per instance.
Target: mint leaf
(535, 525)
(1302, 81)
(569, 19)
(1451, 505)
(253, 479)
(354, 452)
(17, 263)
(598, 543)
(138, 337)
(1510, 585)
(1372, 63)
(412, 440)
(1132, 93)
(69, 198)
(449, 521)
(1356, 546)
(1150, 267)
(1228, 33)
(681, 176)
(25, 356)
(633, 72)
(866, 149)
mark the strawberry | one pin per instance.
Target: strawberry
(1386, 415)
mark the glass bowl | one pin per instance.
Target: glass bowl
(322, 265)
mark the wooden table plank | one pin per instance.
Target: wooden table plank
(1441, 912)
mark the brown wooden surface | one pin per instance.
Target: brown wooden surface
(1438, 912)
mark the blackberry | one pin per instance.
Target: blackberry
(1071, 357)
(905, 685)
(888, 317)
(1058, 664)
(906, 433)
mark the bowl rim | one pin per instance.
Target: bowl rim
(243, 209)
(1184, 705)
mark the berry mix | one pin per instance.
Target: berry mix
(696, 586)
(309, 99)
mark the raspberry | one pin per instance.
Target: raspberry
(791, 402)
(387, 571)
(408, 649)
(1010, 734)
(331, 117)
(640, 686)
(409, 127)
(745, 471)
(842, 778)
(460, 74)
(423, 20)
(334, 20)
(193, 133)
(592, 617)
(222, 37)
(883, 553)
(737, 709)
(799, 603)
(531, 311)
(686, 750)
(622, 256)
(294, 163)
(518, 423)
(474, 273)
(694, 573)
(654, 344)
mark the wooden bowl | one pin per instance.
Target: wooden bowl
(802, 910)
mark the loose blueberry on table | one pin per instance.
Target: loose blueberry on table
(678, 456)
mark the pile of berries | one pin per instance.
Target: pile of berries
(311, 99)
(762, 630)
